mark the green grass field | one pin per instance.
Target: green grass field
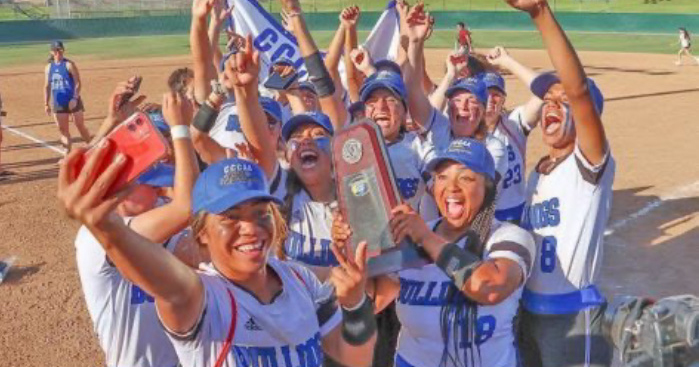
(623, 6)
(157, 46)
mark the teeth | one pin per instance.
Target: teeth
(250, 247)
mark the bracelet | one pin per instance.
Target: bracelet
(205, 118)
(457, 263)
(180, 132)
(359, 323)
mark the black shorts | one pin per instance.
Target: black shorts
(63, 108)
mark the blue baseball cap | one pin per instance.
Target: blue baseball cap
(160, 175)
(271, 107)
(390, 65)
(473, 85)
(384, 79)
(228, 183)
(308, 85)
(471, 153)
(543, 82)
(313, 117)
(494, 80)
(57, 45)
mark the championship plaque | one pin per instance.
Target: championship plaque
(367, 192)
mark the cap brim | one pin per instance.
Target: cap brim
(366, 92)
(542, 83)
(452, 90)
(298, 120)
(235, 198)
(436, 161)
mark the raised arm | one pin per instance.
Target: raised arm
(317, 72)
(354, 79)
(417, 30)
(116, 115)
(499, 57)
(455, 63)
(159, 224)
(590, 133)
(177, 290)
(218, 19)
(242, 73)
(202, 56)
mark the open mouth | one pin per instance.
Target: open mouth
(250, 248)
(455, 207)
(552, 122)
(309, 158)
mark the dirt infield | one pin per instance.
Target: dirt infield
(650, 118)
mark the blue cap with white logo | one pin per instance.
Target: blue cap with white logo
(473, 85)
(384, 79)
(471, 153)
(271, 107)
(160, 175)
(543, 82)
(389, 65)
(158, 120)
(228, 183)
(494, 80)
(313, 117)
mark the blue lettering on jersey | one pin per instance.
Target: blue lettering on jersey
(310, 354)
(542, 215)
(318, 253)
(233, 123)
(271, 39)
(407, 186)
(139, 296)
(419, 293)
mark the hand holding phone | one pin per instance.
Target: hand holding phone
(136, 81)
(278, 82)
(139, 141)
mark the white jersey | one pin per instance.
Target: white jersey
(684, 41)
(123, 315)
(226, 130)
(512, 194)
(567, 211)
(409, 156)
(287, 332)
(423, 293)
(309, 237)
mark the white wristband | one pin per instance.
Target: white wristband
(180, 132)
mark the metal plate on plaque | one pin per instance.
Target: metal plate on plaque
(367, 192)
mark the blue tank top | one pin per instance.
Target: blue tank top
(62, 84)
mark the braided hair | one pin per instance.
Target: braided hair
(459, 315)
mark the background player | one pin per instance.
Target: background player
(569, 197)
(3, 173)
(463, 39)
(62, 94)
(685, 46)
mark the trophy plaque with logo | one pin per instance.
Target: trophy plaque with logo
(367, 193)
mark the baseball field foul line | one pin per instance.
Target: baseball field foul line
(684, 191)
(36, 140)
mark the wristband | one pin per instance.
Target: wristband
(180, 132)
(318, 74)
(205, 118)
(358, 323)
(457, 263)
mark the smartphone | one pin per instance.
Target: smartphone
(277, 82)
(140, 141)
(3, 113)
(127, 96)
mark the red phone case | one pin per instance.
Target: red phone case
(140, 141)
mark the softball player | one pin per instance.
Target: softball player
(3, 173)
(568, 199)
(243, 308)
(62, 87)
(459, 311)
(512, 128)
(124, 316)
(685, 46)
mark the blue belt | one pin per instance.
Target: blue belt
(513, 214)
(561, 304)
